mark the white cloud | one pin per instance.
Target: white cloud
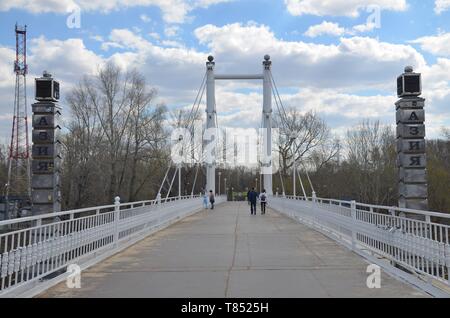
(340, 7)
(97, 38)
(66, 60)
(367, 27)
(325, 27)
(355, 62)
(340, 110)
(173, 11)
(7, 57)
(128, 39)
(351, 106)
(334, 29)
(145, 18)
(441, 6)
(107, 45)
(330, 75)
(170, 43)
(176, 71)
(435, 44)
(154, 35)
(6, 116)
(38, 6)
(172, 30)
(326, 78)
(207, 3)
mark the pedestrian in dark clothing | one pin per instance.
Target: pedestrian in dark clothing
(211, 199)
(248, 197)
(252, 197)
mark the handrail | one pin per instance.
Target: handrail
(375, 206)
(89, 209)
(30, 253)
(419, 246)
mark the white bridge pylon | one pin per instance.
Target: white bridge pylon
(267, 115)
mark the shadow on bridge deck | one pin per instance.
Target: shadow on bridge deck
(229, 253)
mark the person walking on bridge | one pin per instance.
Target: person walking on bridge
(211, 199)
(205, 199)
(263, 199)
(252, 197)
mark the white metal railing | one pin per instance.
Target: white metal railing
(32, 249)
(415, 241)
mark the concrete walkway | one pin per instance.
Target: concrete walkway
(229, 253)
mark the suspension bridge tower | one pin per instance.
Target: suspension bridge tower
(18, 188)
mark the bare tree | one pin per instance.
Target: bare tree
(300, 135)
(82, 146)
(116, 142)
(145, 131)
(446, 133)
(326, 152)
(372, 153)
(109, 94)
(3, 168)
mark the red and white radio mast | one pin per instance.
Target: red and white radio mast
(19, 173)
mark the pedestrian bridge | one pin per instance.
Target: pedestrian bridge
(174, 248)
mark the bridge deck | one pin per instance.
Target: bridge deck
(229, 253)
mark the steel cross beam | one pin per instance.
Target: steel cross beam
(239, 77)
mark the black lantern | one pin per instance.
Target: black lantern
(409, 83)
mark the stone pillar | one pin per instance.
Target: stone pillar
(411, 156)
(46, 156)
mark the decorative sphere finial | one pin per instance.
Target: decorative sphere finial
(210, 58)
(409, 69)
(267, 57)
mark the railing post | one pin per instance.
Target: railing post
(116, 220)
(314, 197)
(393, 214)
(393, 226)
(353, 212)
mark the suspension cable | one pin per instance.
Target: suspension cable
(282, 184)
(196, 112)
(277, 96)
(165, 177)
(309, 179)
(200, 90)
(282, 122)
(171, 183)
(191, 117)
(286, 123)
(301, 183)
(195, 178)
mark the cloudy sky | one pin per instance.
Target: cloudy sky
(340, 57)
